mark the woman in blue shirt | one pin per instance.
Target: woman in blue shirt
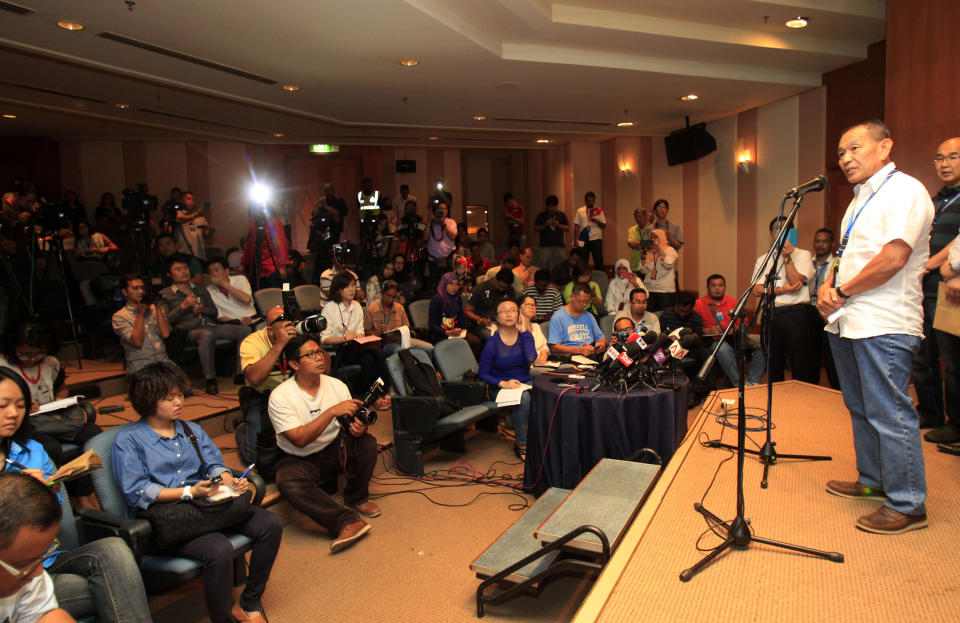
(154, 461)
(505, 364)
(98, 579)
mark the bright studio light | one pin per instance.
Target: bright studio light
(260, 194)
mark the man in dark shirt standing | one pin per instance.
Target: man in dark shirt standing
(931, 389)
(484, 299)
(552, 223)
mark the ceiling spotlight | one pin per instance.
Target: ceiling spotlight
(433, 138)
(68, 25)
(122, 106)
(798, 22)
(8, 116)
(409, 62)
(479, 118)
(278, 135)
(689, 97)
(543, 140)
(292, 88)
(625, 124)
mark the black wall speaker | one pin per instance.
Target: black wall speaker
(689, 144)
(406, 166)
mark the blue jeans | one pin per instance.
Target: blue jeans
(101, 579)
(519, 414)
(390, 348)
(727, 358)
(874, 373)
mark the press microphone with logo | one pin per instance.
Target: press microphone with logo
(656, 350)
(815, 185)
(679, 348)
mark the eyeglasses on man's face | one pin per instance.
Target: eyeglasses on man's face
(313, 354)
(19, 574)
(951, 157)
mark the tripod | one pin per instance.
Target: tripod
(738, 532)
(767, 453)
(262, 236)
(55, 248)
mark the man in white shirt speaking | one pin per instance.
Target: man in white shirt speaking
(304, 411)
(876, 287)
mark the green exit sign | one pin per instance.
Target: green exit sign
(323, 148)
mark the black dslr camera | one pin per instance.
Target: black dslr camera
(366, 414)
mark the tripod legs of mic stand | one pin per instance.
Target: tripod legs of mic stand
(768, 456)
(739, 536)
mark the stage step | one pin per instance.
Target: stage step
(608, 497)
(518, 541)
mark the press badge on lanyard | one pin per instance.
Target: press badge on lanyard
(846, 234)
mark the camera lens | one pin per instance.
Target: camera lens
(311, 324)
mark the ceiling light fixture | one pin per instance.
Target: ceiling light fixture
(798, 22)
(689, 97)
(68, 25)
(122, 106)
(433, 138)
(409, 62)
(543, 140)
(278, 135)
(479, 118)
(625, 124)
(291, 88)
(8, 116)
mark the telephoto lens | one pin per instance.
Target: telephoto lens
(311, 324)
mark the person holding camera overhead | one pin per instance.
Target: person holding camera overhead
(307, 411)
(141, 325)
(192, 226)
(442, 241)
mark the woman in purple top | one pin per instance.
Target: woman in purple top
(505, 364)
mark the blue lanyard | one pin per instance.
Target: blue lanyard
(846, 235)
(939, 212)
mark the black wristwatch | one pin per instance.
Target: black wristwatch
(841, 293)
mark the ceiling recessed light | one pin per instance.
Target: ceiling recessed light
(433, 138)
(625, 124)
(479, 118)
(543, 140)
(122, 106)
(292, 88)
(8, 116)
(278, 135)
(68, 25)
(798, 22)
(409, 62)
(689, 97)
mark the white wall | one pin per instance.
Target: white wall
(777, 160)
(718, 208)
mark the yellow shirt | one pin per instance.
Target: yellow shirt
(254, 348)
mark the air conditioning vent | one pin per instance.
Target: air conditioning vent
(555, 121)
(198, 120)
(149, 47)
(15, 8)
(53, 92)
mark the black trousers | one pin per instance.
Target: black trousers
(299, 479)
(791, 339)
(820, 349)
(925, 369)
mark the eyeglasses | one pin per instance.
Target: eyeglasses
(31, 356)
(19, 574)
(279, 318)
(313, 354)
(952, 157)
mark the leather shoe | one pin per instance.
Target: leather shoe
(855, 490)
(948, 433)
(949, 448)
(885, 520)
(367, 509)
(349, 534)
(212, 388)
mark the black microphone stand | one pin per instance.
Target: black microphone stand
(767, 453)
(738, 532)
(261, 222)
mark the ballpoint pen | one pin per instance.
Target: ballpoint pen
(244, 474)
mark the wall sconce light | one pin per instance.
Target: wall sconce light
(744, 160)
(625, 169)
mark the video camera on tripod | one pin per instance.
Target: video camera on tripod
(138, 202)
(365, 414)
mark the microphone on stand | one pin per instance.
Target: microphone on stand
(815, 185)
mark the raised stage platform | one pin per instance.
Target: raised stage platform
(910, 577)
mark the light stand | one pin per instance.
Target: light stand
(738, 532)
(260, 221)
(56, 246)
(767, 453)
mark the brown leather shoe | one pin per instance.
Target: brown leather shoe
(348, 535)
(367, 509)
(855, 490)
(885, 520)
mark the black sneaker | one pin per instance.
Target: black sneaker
(212, 388)
(947, 433)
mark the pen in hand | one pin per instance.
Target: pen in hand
(243, 475)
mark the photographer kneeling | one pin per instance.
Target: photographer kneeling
(304, 410)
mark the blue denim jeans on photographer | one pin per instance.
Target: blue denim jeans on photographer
(519, 414)
(874, 374)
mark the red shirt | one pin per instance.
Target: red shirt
(514, 227)
(723, 310)
(277, 243)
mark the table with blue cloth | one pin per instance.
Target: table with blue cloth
(589, 426)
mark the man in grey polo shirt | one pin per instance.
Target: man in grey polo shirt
(140, 327)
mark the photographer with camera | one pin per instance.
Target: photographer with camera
(307, 411)
(141, 325)
(191, 226)
(441, 243)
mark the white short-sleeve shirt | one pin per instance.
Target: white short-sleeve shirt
(229, 306)
(900, 210)
(290, 407)
(342, 319)
(31, 602)
(803, 262)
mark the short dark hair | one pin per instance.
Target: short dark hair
(177, 258)
(340, 281)
(505, 299)
(715, 276)
(30, 333)
(151, 384)
(578, 287)
(217, 259)
(25, 431)
(161, 236)
(126, 279)
(509, 262)
(589, 193)
(474, 245)
(876, 127)
(825, 230)
(777, 220)
(621, 319)
(507, 197)
(389, 285)
(661, 201)
(25, 502)
(686, 297)
(291, 352)
(482, 229)
(404, 186)
(542, 275)
(552, 200)
(640, 290)
(505, 275)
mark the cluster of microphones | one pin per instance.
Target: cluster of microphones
(637, 360)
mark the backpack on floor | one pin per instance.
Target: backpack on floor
(421, 380)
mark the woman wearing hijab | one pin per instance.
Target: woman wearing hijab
(446, 314)
(618, 292)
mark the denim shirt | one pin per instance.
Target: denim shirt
(145, 462)
(32, 456)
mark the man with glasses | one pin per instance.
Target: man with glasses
(932, 389)
(304, 410)
(574, 331)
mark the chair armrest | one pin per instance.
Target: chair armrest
(96, 524)
(257, 481)
(89, 410)
(415, 414)
(465, 393)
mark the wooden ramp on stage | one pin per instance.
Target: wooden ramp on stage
(909, 577)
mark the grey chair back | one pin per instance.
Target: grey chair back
(602, 281)
(267, 298)
(395, 368)
(606, 325)
(420, 313)
(454, 357)
(309, 297)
